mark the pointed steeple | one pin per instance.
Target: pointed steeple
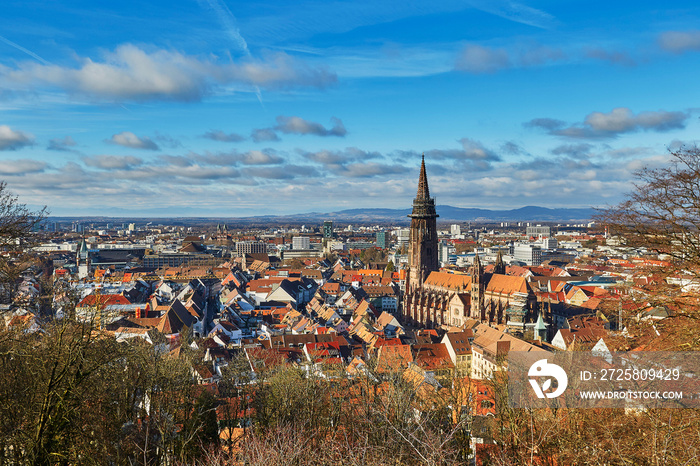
(423, 245)
(477, 262)
(423, 204)
(540, 325)
(499, 268)
(423, 190)
(83, 250)
(540, 329)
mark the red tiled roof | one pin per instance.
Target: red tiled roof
(104, 300)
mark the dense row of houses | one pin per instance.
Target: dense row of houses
(343, 319)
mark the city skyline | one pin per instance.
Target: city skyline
(222, 108)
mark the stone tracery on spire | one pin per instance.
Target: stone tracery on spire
(423, 190)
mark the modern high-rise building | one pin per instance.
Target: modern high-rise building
(403, 236)
(383, 239)
(327, 229)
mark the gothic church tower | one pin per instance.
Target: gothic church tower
(423, 243)
(477, 291)
(500, 267)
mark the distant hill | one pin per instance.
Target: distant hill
(446, 213)
(396, 216)
(528, 213)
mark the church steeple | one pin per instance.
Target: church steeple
(478, 286)
(500, 267)
(423, 246)
(478, 269)
(423, 204)
(423, 190)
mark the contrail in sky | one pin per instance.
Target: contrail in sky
(28, 52)
(228, 21)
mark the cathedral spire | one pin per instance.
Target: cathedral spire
(500, 267)
(423, 190)
(478, 270)
(423, 204)
(423, 244)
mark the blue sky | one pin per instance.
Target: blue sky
(229, 108)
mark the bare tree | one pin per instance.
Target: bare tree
(662, 213)
(16, 224)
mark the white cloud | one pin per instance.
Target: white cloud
(620, 120)
(218, 135)
(12, 140)
(474, 150)
(129, 139)
(256, 157)
(336, 161)
(479, 59)
(286, 172)
(629, 152)
(364, 170)
(573, 150)
(64, 144)
(473, 156)
(680, 41)
(21, 167)
(131, 73)
(612, 56)
(352, 162)
(109, 162)
(264, 135)
(253, 157)
(297, 125)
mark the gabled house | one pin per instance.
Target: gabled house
(219, 358)
(584, 333)
(433, 359)
(392, 358)
(299, 292)
(383, 297)
(229, 329)
(177, 320)
(326, 358)
(490, 345)
(235, 296)
(460, 351)
(330, 292)
(388, 324)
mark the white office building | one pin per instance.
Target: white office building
(301, 242)
(549, 243)
(530, 254)
(538, 231)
